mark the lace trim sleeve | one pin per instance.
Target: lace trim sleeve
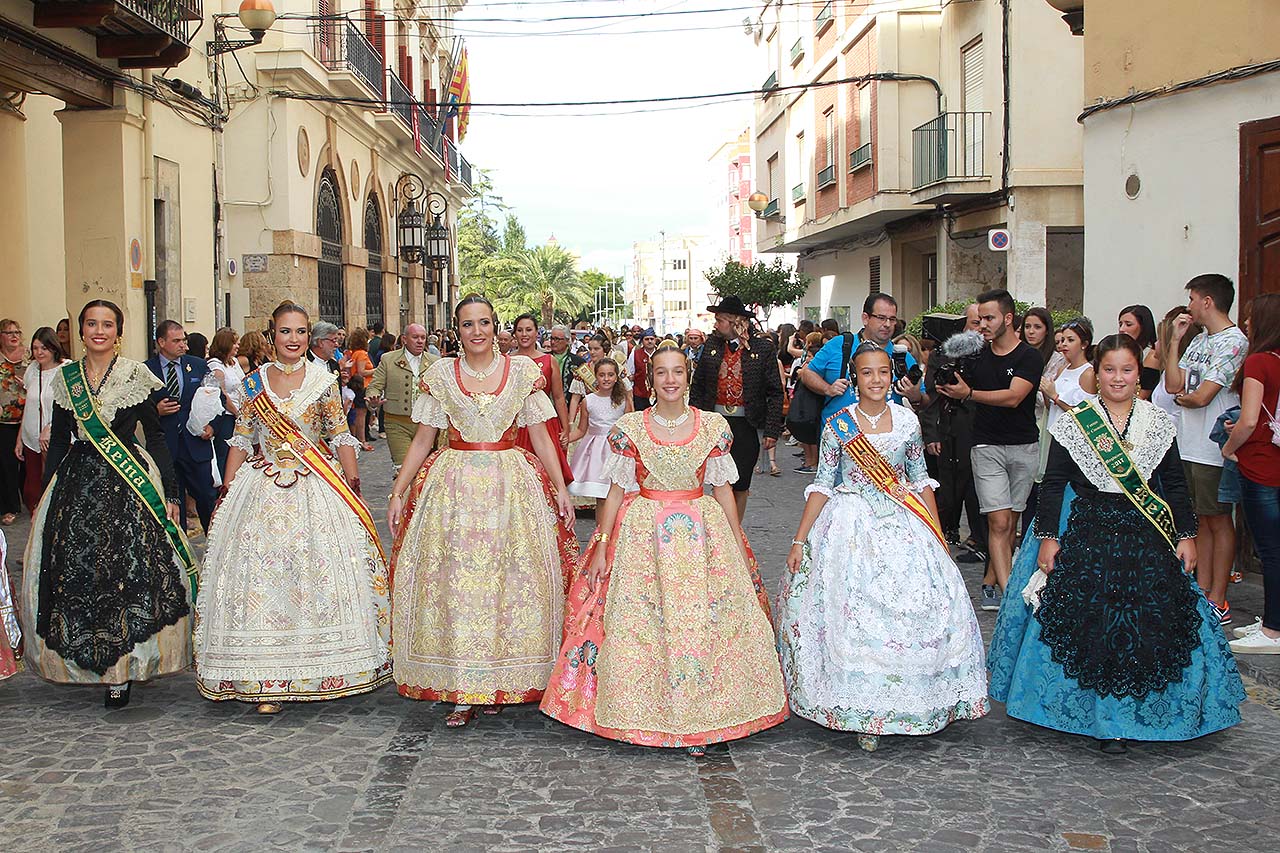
(919, 486)
(576, 387)
(429, 411)
(721, 471)
(242, 442)
(622, 470)
(537, 409)
(820, 489)
(60, 395)
(344, 439)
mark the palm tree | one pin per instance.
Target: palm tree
(542, 279)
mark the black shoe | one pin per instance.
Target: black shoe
(972, 557)
(800, 454)
(117, 695)
(1115, 746)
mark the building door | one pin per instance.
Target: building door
(373, 273)
(329, 268)
(1259, 208)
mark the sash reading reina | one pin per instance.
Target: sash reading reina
(1106, 444)
(860, 449)
(295, 441)
(121, 459)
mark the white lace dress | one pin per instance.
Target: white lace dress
(293, 603)
(876, 631)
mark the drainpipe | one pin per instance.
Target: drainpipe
(1004, 51)
(148, 236)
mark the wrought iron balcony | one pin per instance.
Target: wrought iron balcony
(341, 46)
(770, 83)
(398, 99)
(464, 171)
(798, 193)
(859, 157)
(951, 147)
(824, 17)
(827, 176)
(137, 33)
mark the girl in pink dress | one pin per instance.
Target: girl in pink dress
(601, 410)
(526, 335)
(10, 633)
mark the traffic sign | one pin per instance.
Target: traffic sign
(998, 239)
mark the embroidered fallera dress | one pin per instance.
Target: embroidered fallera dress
(10, 632)
(550, 373)
(675, 649)
(1123, 644)
(876, 631)
(592, 452)
(293, 603)
(91, 532)
(482, 558)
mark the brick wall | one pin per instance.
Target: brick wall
(859, 59)
(827, 200)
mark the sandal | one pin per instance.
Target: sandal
(459, 716)
(756, 470)
(268, 709)
(697, 751)
(491, 710)
(774, 470)
(869, 743)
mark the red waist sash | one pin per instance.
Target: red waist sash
(507, 442)
(677, 495)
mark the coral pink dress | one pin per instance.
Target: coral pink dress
(550, 373)
(675, 649)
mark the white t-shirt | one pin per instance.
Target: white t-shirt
(38, 413)
(1067, 387)
(1210, 358)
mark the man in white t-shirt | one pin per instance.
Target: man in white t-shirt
(1201, 383)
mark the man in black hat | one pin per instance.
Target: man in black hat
(738, 377)
(638, 367)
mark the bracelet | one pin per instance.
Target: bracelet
(395, 496)
(602, 538)
(968, 396)
(797, 542)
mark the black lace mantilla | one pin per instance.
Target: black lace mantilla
(107, 577)
(1117, 612)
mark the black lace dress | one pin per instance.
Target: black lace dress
(110, 602)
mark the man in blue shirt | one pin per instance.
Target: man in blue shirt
(828, 374)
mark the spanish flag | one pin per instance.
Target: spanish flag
(460, 94)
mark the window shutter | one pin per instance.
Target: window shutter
(971, 68)
(873, 271)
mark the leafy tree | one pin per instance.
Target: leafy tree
(539, 280)
(478, 236)
(514, 240)
(760, 285)
(610, 288)
(958, 306)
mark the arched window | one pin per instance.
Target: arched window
(329, 230)
(373, 273)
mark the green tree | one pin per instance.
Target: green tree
(539, 280)
(760, 285)
(610, 289)
(514, 240)
(478, 237)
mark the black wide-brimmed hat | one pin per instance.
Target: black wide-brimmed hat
(731, 305)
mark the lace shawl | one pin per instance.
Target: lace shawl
(130, 383)
(1150, 430)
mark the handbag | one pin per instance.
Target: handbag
(806, 406)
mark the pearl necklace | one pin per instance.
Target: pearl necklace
(874, 420)
(672, 424)
(287, 369)
(480, 375)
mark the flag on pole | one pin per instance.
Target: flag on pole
(417, 128)
(460, 94)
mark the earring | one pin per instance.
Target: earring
(117, 346)
(496, 350)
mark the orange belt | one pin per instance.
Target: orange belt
(508, 442)
(677, 495)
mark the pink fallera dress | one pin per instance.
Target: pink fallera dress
(589, 478)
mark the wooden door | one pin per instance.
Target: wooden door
(1259, 209)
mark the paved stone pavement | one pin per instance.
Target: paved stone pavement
(175, 772)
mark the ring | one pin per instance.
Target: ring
(1042, 565)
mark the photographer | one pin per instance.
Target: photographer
(1005, 456)
(948, 435)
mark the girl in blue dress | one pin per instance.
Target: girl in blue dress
(1111, 638)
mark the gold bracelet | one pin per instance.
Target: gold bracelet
(395, 496)
(602, 537)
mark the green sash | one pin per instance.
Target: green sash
(121, 459)
(1115, 459)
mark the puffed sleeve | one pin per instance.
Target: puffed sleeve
(620, 468)
(918, 478)
(828, 476)
(333, 421)
(246, 433)
(428, 410)
(576, 387)
(537, 409)
(1174, 483)
(721, 469)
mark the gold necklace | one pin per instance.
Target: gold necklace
(286, 369)
(673, 424)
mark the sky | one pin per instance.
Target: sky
(602, 181)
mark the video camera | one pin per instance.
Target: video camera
(957, 348)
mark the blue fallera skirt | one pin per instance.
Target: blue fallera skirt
(1124, 618)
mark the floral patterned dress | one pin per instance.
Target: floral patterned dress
(10, 632)
(876, 631)
(293, 604)
(482, 557)
(675, 649)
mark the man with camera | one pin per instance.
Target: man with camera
(1001, 382)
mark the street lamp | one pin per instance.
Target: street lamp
(422, 234)
(758, 201)
(256, 16)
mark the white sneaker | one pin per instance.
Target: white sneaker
(1249, 630)
(1257, 643)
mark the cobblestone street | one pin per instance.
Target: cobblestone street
(378, 772)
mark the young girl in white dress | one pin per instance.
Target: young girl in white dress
(602, 408)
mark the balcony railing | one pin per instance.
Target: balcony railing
(797, 193)
(464, 171)
(859, 157)
(770, 209)
(340, 46)
(770, 83)
(952, 146)
(797, 51)
(449, 153)
(399, 101)
(136, 33)
(823, 18)
(827, 176)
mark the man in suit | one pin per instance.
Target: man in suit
(324, 344)
(192, 454)
(738, 377)
(395, 386)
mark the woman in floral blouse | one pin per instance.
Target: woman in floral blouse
(13, 397)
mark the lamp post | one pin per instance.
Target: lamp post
(422, 232)
(256, 16)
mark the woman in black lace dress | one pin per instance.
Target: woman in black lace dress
(107, 595)
(1111, 637)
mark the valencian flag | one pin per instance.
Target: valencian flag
(460, 95)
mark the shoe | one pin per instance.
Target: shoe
(1236, 576)
(972, 557)
(1248, 629)
(269, 709)
(1114, 746)
(868, 743)
(799, 455)
(1256, 643)
(1223, 613)
(806, 469)
(791, 441)
(991, 597)
(117, 695)
(697, 751)
(953, 538)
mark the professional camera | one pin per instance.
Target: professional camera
(900, 369)
(958, 353)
